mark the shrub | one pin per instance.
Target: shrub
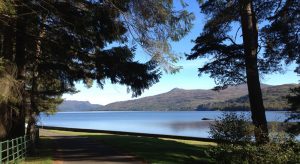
(231, 127)
(248, 153)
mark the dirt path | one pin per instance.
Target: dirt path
(72, 149)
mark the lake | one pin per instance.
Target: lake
(171, 123)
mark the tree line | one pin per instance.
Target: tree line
(47, 46)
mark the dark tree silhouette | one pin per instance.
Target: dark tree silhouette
(294, 101)
(243, 38)
(71, 49)
(55, 44)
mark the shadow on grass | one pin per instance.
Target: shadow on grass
(156, 150)
(86, 149)
(43, 152)
(119, 148)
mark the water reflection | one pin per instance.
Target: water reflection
(170, 123)
(182, 126)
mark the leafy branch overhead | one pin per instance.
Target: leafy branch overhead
(55, 44)
(153, 24)
(221, 39)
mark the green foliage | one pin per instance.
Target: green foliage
(235, 128)
(231, 127)
(153, 24)
(281, 35)
(10, 87)
(272, 152)
(2, 64)
(56, 44)
(239, 40)
(294, 101)
(6, 7)
(221, 39)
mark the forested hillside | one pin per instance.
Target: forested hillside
(72, 105)
(232, 98)
(274, 99)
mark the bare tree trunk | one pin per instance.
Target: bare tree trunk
(32, 116)
(34, 111)
(31, 130)
(18, 128)
(250, 40)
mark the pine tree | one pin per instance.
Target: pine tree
(55, 44)
(294, 101)
(240, 38)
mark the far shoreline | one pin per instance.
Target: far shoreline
(86, 111)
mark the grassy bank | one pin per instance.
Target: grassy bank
(151, 150)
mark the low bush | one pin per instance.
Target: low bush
(233, 128)
(256, 154)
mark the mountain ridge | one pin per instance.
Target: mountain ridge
(74, 105)
(178, 99)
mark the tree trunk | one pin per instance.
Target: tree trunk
(7, 51)
(31, 131)
(8, 43)
(34, 111)
(250, 41)
(18, 127)
(5, 121)
(32, 114)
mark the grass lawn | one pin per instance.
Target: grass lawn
(158, 150)
(43, 153)
(151, 150)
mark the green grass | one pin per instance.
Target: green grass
(42, 154)
(154, 150)
(157, 150)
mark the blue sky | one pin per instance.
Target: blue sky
(187, 78)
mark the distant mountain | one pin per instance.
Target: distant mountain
(180, 99)
(72, 105)
(232, 98)
(274, 99)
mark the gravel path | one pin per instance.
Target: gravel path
(72, 149)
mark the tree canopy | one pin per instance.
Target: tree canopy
(54, 44)
(221, 42)
(153, 24)
(294, 100)
(245, 38)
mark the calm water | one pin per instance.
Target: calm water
(171, 123)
